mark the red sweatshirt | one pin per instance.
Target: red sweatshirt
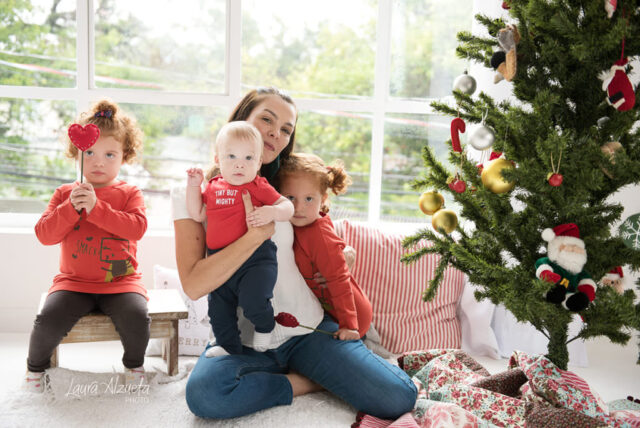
(97, 251)
(317, 248)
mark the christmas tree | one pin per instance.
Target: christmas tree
(558, 153)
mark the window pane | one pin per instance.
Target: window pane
(423, 45)
(405, 135)
(338, 135)
(175, 138)
(32, 161)
(309, 48)
(38, 43)
(160, 45)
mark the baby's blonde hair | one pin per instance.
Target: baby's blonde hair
(332, 177)
(239, 130)
(106, 115)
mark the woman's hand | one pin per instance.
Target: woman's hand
(265, 231)
(346, 334)
(83, 196)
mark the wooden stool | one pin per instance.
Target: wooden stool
(165, 307)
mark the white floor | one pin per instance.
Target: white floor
(612, 370)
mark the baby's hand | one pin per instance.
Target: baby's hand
(195, 177)
(346, 334)
(261, 216)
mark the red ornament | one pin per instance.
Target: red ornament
(286, 319)
(555, 179)
(457, 125)
(619, 89)
(83, 137)
(457, 185)
(505, 5)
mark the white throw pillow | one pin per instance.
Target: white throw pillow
(194, 331)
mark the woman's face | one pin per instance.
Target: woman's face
(275, 119)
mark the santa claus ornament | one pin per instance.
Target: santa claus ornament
(563, 267)
(618, 86)
(614, 279)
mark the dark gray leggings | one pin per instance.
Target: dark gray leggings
(62, 309)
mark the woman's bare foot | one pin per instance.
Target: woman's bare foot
(302, 385)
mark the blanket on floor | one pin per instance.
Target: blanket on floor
(454, 390)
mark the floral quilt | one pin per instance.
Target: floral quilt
(456, 391)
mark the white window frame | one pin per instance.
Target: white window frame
(378, 106)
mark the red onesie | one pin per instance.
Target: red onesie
(317, 248)
(97, 251)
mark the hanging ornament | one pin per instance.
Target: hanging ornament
(620, 92)
(444, 221)
(481, 137)
(504, 60)
(555, 178)
(457, 184)
(610, 149)
(492, 156)
(465, 83)
(505, 5)
(614, 279)
(603, 121)
(610, 7)
(430, 202)
(457, 125)
(492, 175)
(630, 231)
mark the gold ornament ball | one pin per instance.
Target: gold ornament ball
(431, 202)
(492, 177)
(446, 220)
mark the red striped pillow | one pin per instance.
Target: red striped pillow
(405, 322)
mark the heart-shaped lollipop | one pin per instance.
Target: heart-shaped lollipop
(83, 137)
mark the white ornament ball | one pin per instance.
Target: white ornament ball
(481, 137)
(465, 84)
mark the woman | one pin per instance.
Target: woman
(298, 361)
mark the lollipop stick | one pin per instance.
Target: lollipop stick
(81, 166)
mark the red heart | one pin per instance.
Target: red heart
(84, 137)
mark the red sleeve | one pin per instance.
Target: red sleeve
(264, 192)
(57, 220)
(326, 253)
(130, 223)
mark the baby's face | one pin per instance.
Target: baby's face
(239, 160)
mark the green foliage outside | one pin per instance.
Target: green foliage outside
(329, 61)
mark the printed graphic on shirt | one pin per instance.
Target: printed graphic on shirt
(226, 197)
(322, 293)
(115, 252)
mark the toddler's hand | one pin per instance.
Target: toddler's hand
(346, 334)
(83, 197)
(195, 177)
(261, 216)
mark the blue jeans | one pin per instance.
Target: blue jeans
(236, 385)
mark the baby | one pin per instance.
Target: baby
(238, 155)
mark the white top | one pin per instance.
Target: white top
(290, 294)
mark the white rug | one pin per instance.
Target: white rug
(84, 399)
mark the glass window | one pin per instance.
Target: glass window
(423, 45)
(38, 43)
(346, 136)
(160, 45)
(175, 138)
(312, 49)
(32, 161)
(405, 135)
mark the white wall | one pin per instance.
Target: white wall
(29, 268)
